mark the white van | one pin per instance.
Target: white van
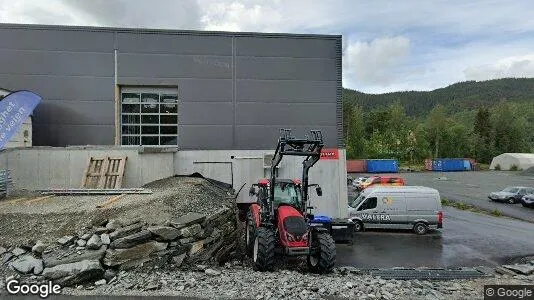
(397, 207)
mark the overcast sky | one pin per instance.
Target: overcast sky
(387, 45)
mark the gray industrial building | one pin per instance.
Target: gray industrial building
(174, 103)
(193, 90)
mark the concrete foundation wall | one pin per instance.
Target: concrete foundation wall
(38, 168)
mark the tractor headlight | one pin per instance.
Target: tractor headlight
(304, 237)
(290, 237)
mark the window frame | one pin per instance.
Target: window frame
(140, 116)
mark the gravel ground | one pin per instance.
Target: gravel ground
(49, 219)
(239, 281)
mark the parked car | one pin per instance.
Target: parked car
(407, 207)
(359, 181)
(382, 180)
(528, 200)
(511, 194)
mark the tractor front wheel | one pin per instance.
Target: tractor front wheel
(323, 257)
(264, 249)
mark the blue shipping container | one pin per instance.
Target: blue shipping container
(467, 165)
(437, 165)
(382, 166)
(448, 164)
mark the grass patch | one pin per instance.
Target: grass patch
(464, 206)
(496, 213)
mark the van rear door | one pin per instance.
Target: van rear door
(422, 206)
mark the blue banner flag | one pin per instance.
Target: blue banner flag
(15, 108)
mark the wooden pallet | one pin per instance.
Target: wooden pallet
(104, 173)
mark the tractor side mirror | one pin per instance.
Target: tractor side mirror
(319, 191)
(252, 191)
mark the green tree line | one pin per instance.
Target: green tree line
(410, 130)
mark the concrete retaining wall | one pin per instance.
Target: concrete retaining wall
(42, 168)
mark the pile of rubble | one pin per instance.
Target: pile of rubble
(99, 251)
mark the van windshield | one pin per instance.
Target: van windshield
(354, 203)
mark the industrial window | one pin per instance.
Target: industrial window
(149, 117)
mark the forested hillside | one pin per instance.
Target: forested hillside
(467, 119)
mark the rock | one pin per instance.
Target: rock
(217, 217)
(74, 273)
(86, 255)
(7, 257)
(66, 240)
(109, 275)
(115, 257)
(178, 260)
(186, 241)
(165, 233)
(2, 250)
(152, 287)
(196, 247)
(39, 247)
(79, 248)
(94, 242)
(81, 243)
(27, 263)
(349, 285)
(131, 240)
(525, 269)
(100, 282)
(113, 224)
(212, 272)
(187, 220)
(124, 231)
(105, 239)
(18, 251)
(86, 236)
(100, 230)
(191, 231)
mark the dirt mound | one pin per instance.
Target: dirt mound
(49, 219)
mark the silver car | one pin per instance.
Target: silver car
(528, 200)
(511, 194)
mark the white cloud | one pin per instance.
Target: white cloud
(374, 62)
(514, 66)
(389, 45)
(236, 16)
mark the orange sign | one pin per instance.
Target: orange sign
(330, 154)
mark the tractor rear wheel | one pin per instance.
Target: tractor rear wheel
(323, 257)
(250, 232)
(264, 249)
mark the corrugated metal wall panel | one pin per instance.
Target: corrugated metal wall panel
(77, 64)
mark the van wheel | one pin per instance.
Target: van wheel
(358, 226)
(511, 201)
(420, 228)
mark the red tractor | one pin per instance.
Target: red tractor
(280, 221)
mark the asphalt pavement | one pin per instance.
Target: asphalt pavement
(468, 239)
(473, 188)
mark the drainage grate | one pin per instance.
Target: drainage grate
(426, 274)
